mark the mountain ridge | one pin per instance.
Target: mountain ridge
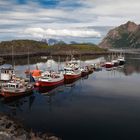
(124, 36)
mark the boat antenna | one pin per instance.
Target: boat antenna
(12, 57)
(80, 59)
(28, 60)
(58, 62)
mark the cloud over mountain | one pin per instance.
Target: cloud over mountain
(40, 32)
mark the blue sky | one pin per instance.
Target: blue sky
(66, 20)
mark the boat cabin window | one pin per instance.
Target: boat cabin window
(5, 85)
(12, 86)
(68, 69)
(7, 71)
(44, 77)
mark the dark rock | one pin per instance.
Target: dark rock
(11, 129)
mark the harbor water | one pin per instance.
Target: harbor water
(104, 105)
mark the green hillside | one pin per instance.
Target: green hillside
(22, 46)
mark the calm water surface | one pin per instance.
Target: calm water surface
(103, 106)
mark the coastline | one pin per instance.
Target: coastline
(24, 55)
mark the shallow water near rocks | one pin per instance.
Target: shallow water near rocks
(104, 105)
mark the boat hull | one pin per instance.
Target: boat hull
(84, 73)
(121, 62)
(7, 94)
(108, 65)
(71, 76)
(49, 84)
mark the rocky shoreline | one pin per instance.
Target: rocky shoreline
(11, 129)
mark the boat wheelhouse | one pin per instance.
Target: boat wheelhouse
(6, 73)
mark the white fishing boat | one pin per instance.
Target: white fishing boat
(121, 60)
(84, 71)
(16, 88)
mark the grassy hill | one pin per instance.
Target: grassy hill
(22, 46)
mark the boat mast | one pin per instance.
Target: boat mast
(58, 63)
(13, 57)
(28, 60)
(29, 66)
(80, 60)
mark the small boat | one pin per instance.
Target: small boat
(50, 79)
(109, 65)
(121, 60)
(90, 69)
(16, 88)
(84, 71)
(97, 67)
(115, 62)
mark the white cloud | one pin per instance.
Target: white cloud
(40, 32)
(64, 21)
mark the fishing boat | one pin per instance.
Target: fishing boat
(70, 73)
(50, 79)
(84, 71)
(16, 88)
(121, 60)
(115, 62)
(97, 67)
(90, 69)
(109, 64)
(72, 70)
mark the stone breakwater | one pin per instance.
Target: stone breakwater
(11, 129)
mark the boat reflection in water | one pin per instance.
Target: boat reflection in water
(55, 89)
(70, 81)
(18, 103)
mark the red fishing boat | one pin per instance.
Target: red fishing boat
(50, 79)
(70, 73)
(109, 64)
(72, 70)
(16, 88)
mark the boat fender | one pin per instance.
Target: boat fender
(37, 84)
